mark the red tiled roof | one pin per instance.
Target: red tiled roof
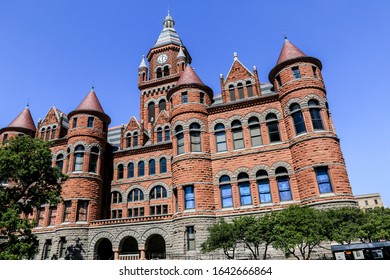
(24, 120)
(289, 51)
(189, 77)
(91, 102)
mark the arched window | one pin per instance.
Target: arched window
(67, 160)
(244, 188)
(238, 136)
(167, 133)
(159, 134)
(264, 187)
(273, 127)
(220, 137)
(283, 184)
(240, 91)
(232, 93)
(189, 197)
(159, 73)
(158, 192)
(180, 139)
(299, 122)
(43, 130)
(93, 159)
(48, 133)
(323, 179)
(151, 110)
(163, 165)
(162, 105)
(130, 170)
(249, 88)
(120, 171)
(128, 140)
(135, 139)
(141, 169)
(116, 197)
(60, 161)
(152, 167)
(135, 195)
(78, 158)
(53, 132)
(254, 130)
(226, 191)
(315, 114)
(166, 70)
(195, 137)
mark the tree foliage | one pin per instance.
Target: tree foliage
(26, 164)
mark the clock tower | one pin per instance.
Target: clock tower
(167, 60)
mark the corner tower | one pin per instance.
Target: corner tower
(23, 124)
(318, 161)
(87, 138)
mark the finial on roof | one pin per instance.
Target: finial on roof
(143, 63)
(28, 104)
(285, 35)
(235, 56)
(168, 21)
(254, 68)
(221, 76)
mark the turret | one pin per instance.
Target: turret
(142, 71)
(23, 124)
(87, 138)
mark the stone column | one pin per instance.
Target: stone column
(142, 252)
(116, 253)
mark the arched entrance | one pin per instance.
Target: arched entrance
(104, 250)
(155, 247)
(129, 249)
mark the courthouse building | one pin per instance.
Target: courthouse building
(151, 188)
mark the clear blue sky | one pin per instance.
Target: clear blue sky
(52, 51)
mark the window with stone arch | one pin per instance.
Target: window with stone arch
(53, 132)
(180, 139)
(116, 197)
(120, 171)
(158, 192)
(254, 131)
(159, 135)
(135, 139)
(60, 161)
(141, 169)
(298, 120)
(249, 88)
(315, 114)
(47, 136)
(220, 137)
(238, 136)
(162, 105)
(166, 71)
(167, 134)
(67, 160)
(232, 93)
(151, 112)
(283, 181)
(128, 140)
(244, 189)
(263, 186)
(93, 159)
(78, 158)
(195, 137)
(135, 195)
(43, 130)
(273, 127)
(240, 88)
(152, 167)
(163, 165)
(130, 170)
(159, 72)
(226, 191)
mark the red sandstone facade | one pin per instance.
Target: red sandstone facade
(191, 158)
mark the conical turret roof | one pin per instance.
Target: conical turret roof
(189, 77)
(289, 51)
(168, 35)
(91, 103)
(23, 120)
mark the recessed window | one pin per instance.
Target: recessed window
(283, 184)
(141, 169)
(116, 214)
(278, 80)
(167, 133)
(67, 211)
(184, 97)
(93, 159)
(116, 197)
(52, 215)
(226, 191)
(315, 114)
(314, 71)
(238, 136)
(195, 137)
(135, 195)
(136, 212)
(47, 249)
(158, 210)
(158, 192)
(323, 179)
(74, 122)
(82, 210)
(90, 121)
(254, 130)
(41, 217)
(135, 139)
(244, 189)
(60, 161)
(162, 105)
(273, 128)
(151, 112)
(130, 170)
(120, 172)
(189, 197)
(240, 91)
(152, 167)
(297, 116)
(232, 93)
(53, 132)
(180, 140)
(190, 238)
(220, 137)
(159, 135)
(78, 158)
(249, 88)
(128, 140)
(5, 137)
(263, 186)
(296, 73)
(201, 98)
(163, 165)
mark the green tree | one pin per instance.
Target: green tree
(223, 236)
(376, 225)
(298, 231)
(26, 164)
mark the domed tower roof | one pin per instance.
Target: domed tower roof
(189, 77)
(291, 54)
(168, 35)
(23, 122)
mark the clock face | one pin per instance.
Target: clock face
(162, 58)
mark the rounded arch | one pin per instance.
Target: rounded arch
(124, 234)
(274, 166)
(223, 173)
(132, 187)
(117, 190)
(229, 85)
(251, 114)
(312, 96)
(153, 231)
(155, 184)
(96, 145)
(98, 238)
(243, 170)
(292, 101)
(55, 155)
(237, 117)
(176, 124)
(195, 120)
(217, 121)
(119, 163)
(271, 110)
(261, 167)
